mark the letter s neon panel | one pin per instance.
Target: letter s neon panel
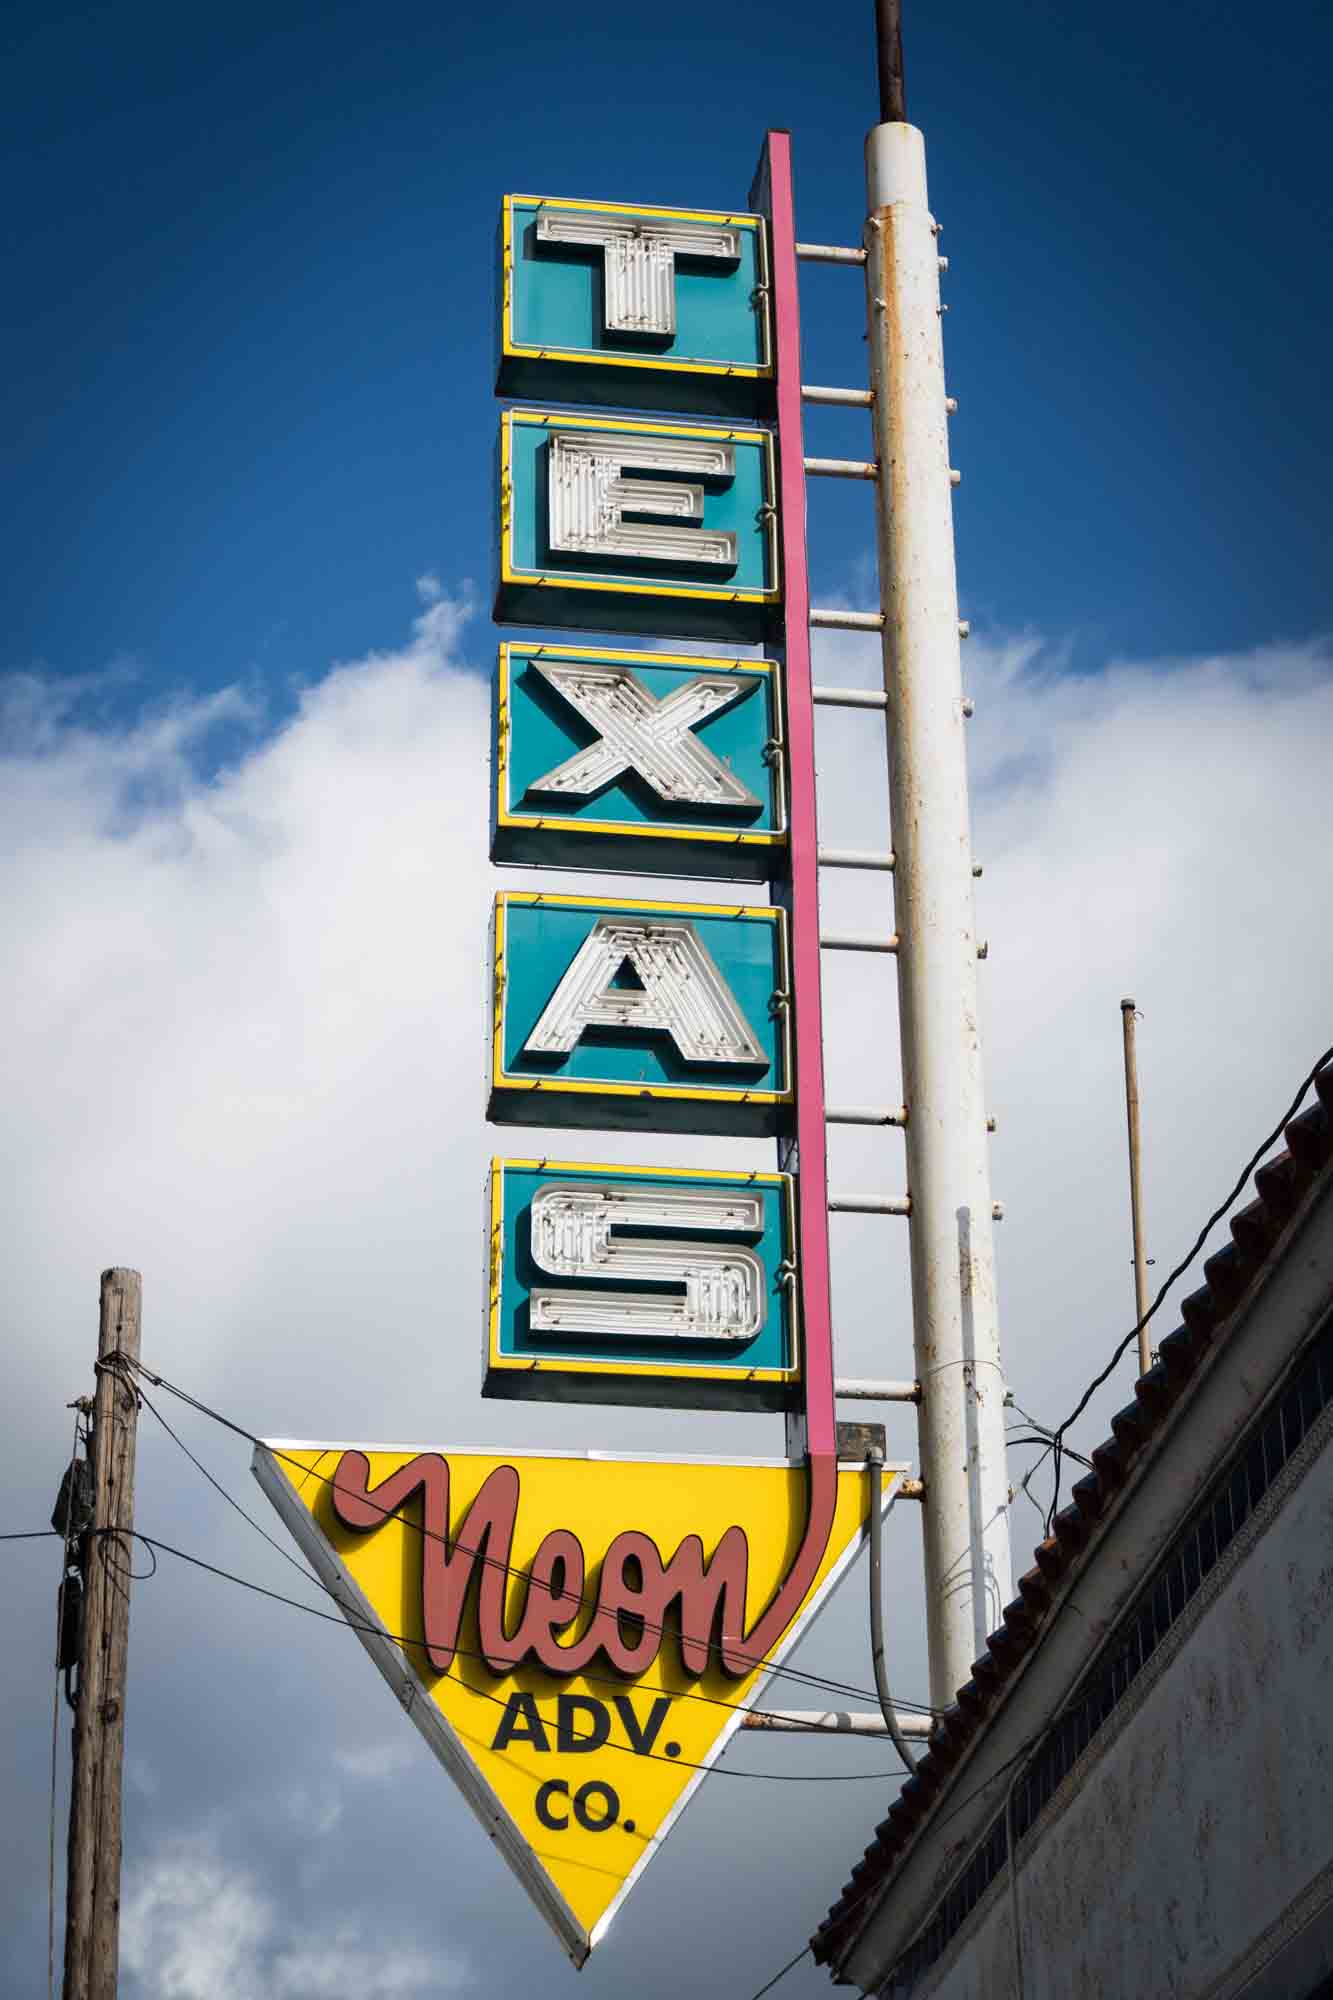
(641, 527)
(666, 1017)
(641, 1285)
(663, 762)
(626, 306)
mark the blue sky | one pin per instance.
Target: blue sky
(250, 368)
(248, 362)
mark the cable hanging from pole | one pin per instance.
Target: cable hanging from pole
(875, 1465)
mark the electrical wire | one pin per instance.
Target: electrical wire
(818, 1682)
(1217, 1216)
(1025, 1483)
(482, 1694)
(1048, 1444)
(33, 1535)
(594, 1680)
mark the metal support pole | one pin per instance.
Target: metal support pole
(1127, 1016)
(961, 1426)
(92, 1893)
(889, 51)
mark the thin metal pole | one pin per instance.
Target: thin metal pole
(1127, 1016)
(837, 1721)
(956, 1338)
(889, 54)
(92, 1895)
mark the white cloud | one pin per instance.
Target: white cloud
(373, 1762)
(197, 1927)
(245, 1049)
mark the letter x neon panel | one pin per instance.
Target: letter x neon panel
(656, 802)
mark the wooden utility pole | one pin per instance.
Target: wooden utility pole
(1127, 1015)
(92, 1893)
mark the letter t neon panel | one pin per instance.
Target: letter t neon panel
(627, 306)
(641, 1285)
(667, 1017)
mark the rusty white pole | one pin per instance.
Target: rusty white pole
(961, 1418)
(1127, 1015)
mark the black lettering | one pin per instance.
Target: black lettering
(545, 1793)
(641, 1741)
(583, 1812)
(521, 1723)
(568, 1710)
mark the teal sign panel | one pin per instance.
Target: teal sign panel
(660, 1016)
(610, 523)
(633, 307)
(666, 762)
(614, 1284)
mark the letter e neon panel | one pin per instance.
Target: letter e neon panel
(610, 1284)
(660, 1016)
(633, 307)
(638, 527)
(651, 762)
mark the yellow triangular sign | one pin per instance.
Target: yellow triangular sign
(575, 1635)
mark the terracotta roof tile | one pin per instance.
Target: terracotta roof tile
(1256, 1230)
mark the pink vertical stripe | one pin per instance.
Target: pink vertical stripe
(812, 1184)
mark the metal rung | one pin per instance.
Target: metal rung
(842, 468)
(863, 1114)
(848, 621)
(852, 399)
(828, 697)
(860, 857)
(857, 941)
(841, 1721)
(852, 857)
(858, 1390)
(869, 1204)
(829, 253)
(865, 1204)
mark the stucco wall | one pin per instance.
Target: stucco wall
(1195, 1837)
